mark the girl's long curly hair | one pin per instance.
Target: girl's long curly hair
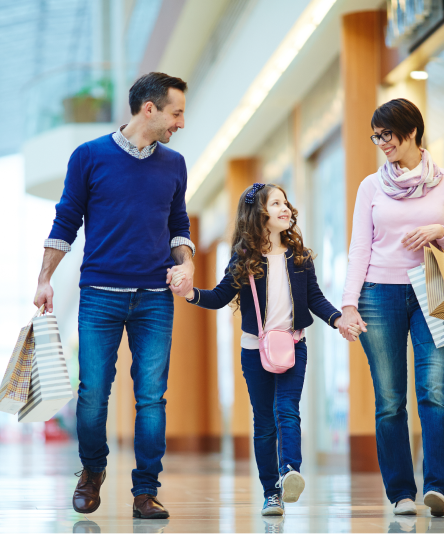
(251, 237)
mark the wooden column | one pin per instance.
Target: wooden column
(360, 53)
(240, 174)
(193, 419)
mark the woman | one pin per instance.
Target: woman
(398, 211)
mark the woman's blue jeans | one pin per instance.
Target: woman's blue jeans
(277, 422)
(148, 318)
(391, 311)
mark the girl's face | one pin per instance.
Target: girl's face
(278, 211)
(394, 149)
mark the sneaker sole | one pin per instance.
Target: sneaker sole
(407, 512)
(292, 487)
(157, 515)
(435, 504)
(277, 512)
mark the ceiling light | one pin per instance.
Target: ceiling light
(419, 75)
(296, 38)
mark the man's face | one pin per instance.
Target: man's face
(164, 123)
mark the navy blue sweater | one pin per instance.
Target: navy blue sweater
(305, 293)
(132, 208)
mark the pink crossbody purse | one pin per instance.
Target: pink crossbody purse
(276, 347)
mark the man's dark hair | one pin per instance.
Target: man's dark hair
(401, 117)
(153, 87)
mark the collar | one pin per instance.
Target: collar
(131, 149)
(288, 255)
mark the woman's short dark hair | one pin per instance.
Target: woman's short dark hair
(401, 117)
(153, 87)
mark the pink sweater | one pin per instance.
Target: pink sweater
(379, 224)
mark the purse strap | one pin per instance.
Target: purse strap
(256, 305)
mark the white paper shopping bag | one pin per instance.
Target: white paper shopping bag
(50, 388)
(436, 326)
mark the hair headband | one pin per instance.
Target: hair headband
(250, 197)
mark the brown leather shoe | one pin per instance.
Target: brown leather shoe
(148, 507)
(86, 497)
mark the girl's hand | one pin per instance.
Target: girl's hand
(350, 315)
(421, 236)
(354, 331)
(177, 278)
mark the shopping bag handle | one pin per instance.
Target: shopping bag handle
(38, 313)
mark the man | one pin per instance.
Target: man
(130, 191)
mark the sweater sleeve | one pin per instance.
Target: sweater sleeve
(218, 297)
(178, 221)
(73, 204)
(317, 303)
(360, 246)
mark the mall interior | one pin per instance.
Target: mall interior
(279, 91)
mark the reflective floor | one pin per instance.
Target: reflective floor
(37, 482)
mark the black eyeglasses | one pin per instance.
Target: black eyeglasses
(386, 136)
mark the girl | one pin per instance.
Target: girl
(268, 244)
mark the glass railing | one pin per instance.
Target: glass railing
(76, 94)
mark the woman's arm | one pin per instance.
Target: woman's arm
(358, 259)
(360, 246)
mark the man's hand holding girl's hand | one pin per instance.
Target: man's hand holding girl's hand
(350, 324)
(177, 278)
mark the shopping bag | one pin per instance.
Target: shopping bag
(434, 273)
(50, 388)
(436, 326)
(15, 384)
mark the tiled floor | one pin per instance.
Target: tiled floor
(37, 481)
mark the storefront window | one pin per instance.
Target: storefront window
(328, 240)
(435, 109)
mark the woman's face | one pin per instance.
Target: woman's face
(394, 149)
(278, 211)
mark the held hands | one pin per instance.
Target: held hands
(421, 236)
(350, 324)
(180, 279)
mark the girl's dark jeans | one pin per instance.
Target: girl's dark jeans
(277, 423)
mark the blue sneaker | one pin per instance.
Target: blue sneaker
(273, 505)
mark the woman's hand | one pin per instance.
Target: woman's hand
(421, 236)
(354, 331)
(350, 316)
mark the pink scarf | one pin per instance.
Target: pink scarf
(398, 183)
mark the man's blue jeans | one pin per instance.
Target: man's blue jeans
(277, 422)
(148, 318)
(391, 311)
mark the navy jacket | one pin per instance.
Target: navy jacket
(132, 209)
(305, 295)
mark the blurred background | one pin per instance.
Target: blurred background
(279, 92)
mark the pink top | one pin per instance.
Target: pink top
(379, 224)
(279, 311)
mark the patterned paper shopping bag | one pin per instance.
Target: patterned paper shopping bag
(50, 387)
(15, 385)
(434, 274)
